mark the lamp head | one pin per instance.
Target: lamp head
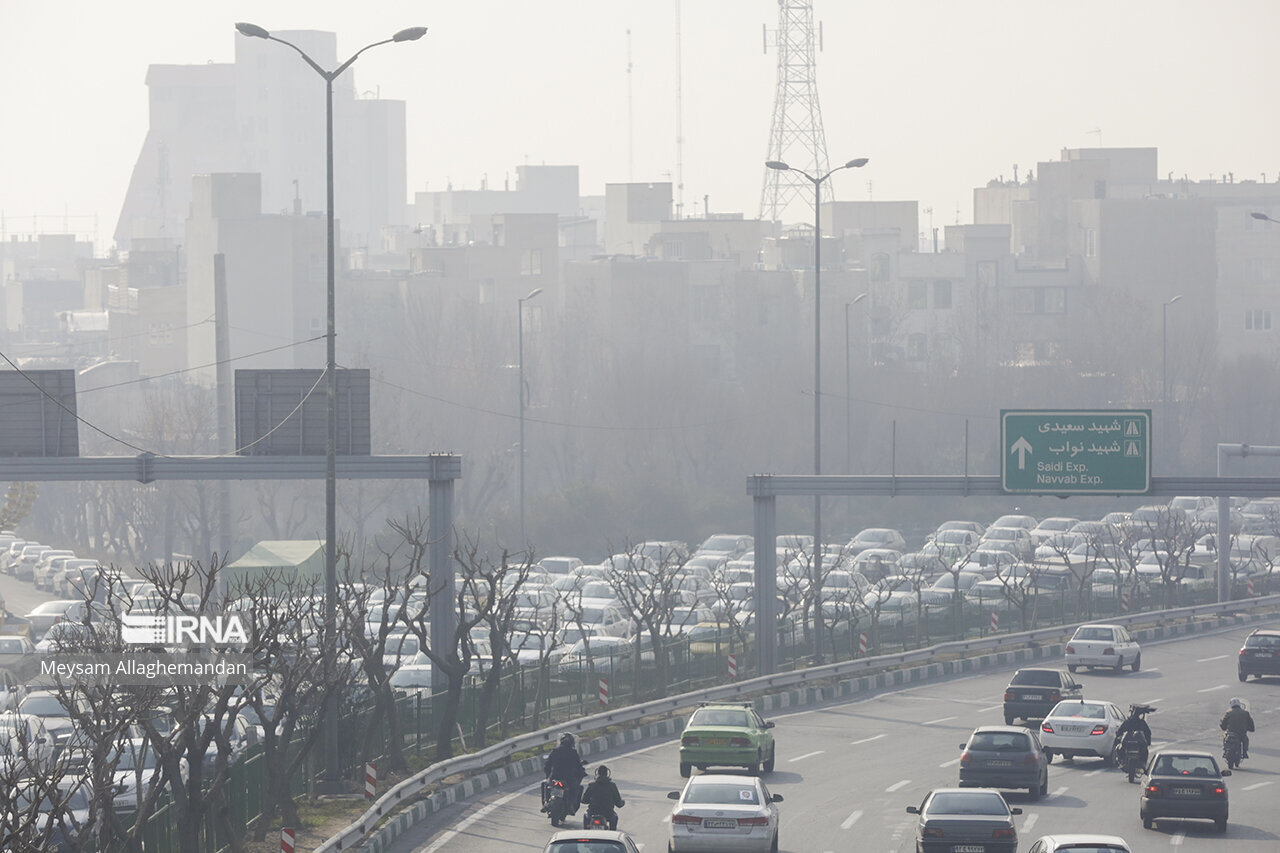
(1174, 299)
(532, 294)
(777, 164)
(411, 34)
(252, 30)
(857, 163)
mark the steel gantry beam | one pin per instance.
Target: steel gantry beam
(765, 489)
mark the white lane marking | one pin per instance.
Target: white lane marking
(1060, 791)
(1178, 837)
(1215, 657)
(807, 755)
(990, 708)
(1211, 689)
(1255, 785)
(1093, 773)
(866, 740)
(939, 720)
(1030, 821)
(480, 814)
(953, 762)
(895, 786)
(1153, 701)
(851, 820)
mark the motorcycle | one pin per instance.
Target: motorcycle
(1232, 749)
(595, 820)
(554, 800)
(1133, 751)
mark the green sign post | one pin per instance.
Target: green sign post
(1075, 452)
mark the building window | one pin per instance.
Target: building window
(531, 262)
(917, 347)
(673, 250)
(942, 294)
(1025, 352)
(1257, 320)
(1091, 242)
(880, 267)
(917, 295)
(1055, 300)
(1024, 300)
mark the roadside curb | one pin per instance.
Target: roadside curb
(381, 840)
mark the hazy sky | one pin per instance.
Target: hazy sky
(941, 95)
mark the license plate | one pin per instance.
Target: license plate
(1262, 654)
(712, 823)
(1186, 792)
(716, 741)
(1026, 696)
(998, 763)
(968, 848)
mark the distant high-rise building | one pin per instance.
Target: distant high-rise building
(266, 114)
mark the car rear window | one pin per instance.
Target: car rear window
(1184, 765)
(717, 717)
(721, 793)
(1084, 710)
(968, 803)
(1263, 641)
(1094, 634)
(1039, 677)
(583, 845)
(1000, 741)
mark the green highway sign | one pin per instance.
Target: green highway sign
(1075, 452)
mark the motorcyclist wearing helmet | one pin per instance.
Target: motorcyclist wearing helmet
(1240, 721)
(602, 796)
(565, 763)
(1136, 724)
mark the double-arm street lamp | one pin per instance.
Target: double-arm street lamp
(817, 366)
(333, 769)
(520, 336)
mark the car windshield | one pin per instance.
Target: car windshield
(1184, 765)
(1000, 741)
(11, 646)
(967, 802)
(139, 757)
(42, 705)
(411, 677)
(1038, 677)
(723, 793)
(719, 717)
(720, 543)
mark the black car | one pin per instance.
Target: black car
(1033, 692)
(1260, 654)
(1005, 757)
(952, 820)
(1184, 785)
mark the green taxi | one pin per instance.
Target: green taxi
(726, 735)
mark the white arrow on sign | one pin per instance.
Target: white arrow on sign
(1021, 447)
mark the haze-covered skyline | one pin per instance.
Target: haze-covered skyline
(921, 88)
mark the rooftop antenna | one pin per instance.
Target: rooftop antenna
(1097, 131)
(679, 125)
(795, 134)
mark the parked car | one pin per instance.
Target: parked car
(727, 545)
(1049, 526)
(45, 566)
(1015, 540)
(876, 537)
(1034, 691)
(1005, 757)
(1184, 784)
(45, 614)
(1109, 646)
(727, 735)
(959, 819)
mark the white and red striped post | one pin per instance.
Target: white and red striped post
(287, 837)
(1248, 585)
(862, 643)
(733, 666)
(1124, 600)
(371, 781)
(604, 691)
(995, 621)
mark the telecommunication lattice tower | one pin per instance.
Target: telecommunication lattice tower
(796, 135)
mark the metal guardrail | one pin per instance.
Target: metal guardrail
(411, 787)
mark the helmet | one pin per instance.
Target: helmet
(1236, 703)
(602, 772)
(566, 739)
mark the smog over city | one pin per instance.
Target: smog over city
(384, 382)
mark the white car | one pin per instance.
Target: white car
(1108, 646)
(724, 812)
(1078, 727)
(1080, 843)
(594, 840)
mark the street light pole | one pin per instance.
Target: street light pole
(520, 336)
(333, 768)
(1164, 349)
(817, 372)
(848, 388)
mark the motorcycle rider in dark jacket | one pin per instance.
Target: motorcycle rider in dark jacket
(602, 796)
(1136, 724)
(565, 763)
(1240, 721)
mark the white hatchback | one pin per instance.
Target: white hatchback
(1077, 727)
(724, 812)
